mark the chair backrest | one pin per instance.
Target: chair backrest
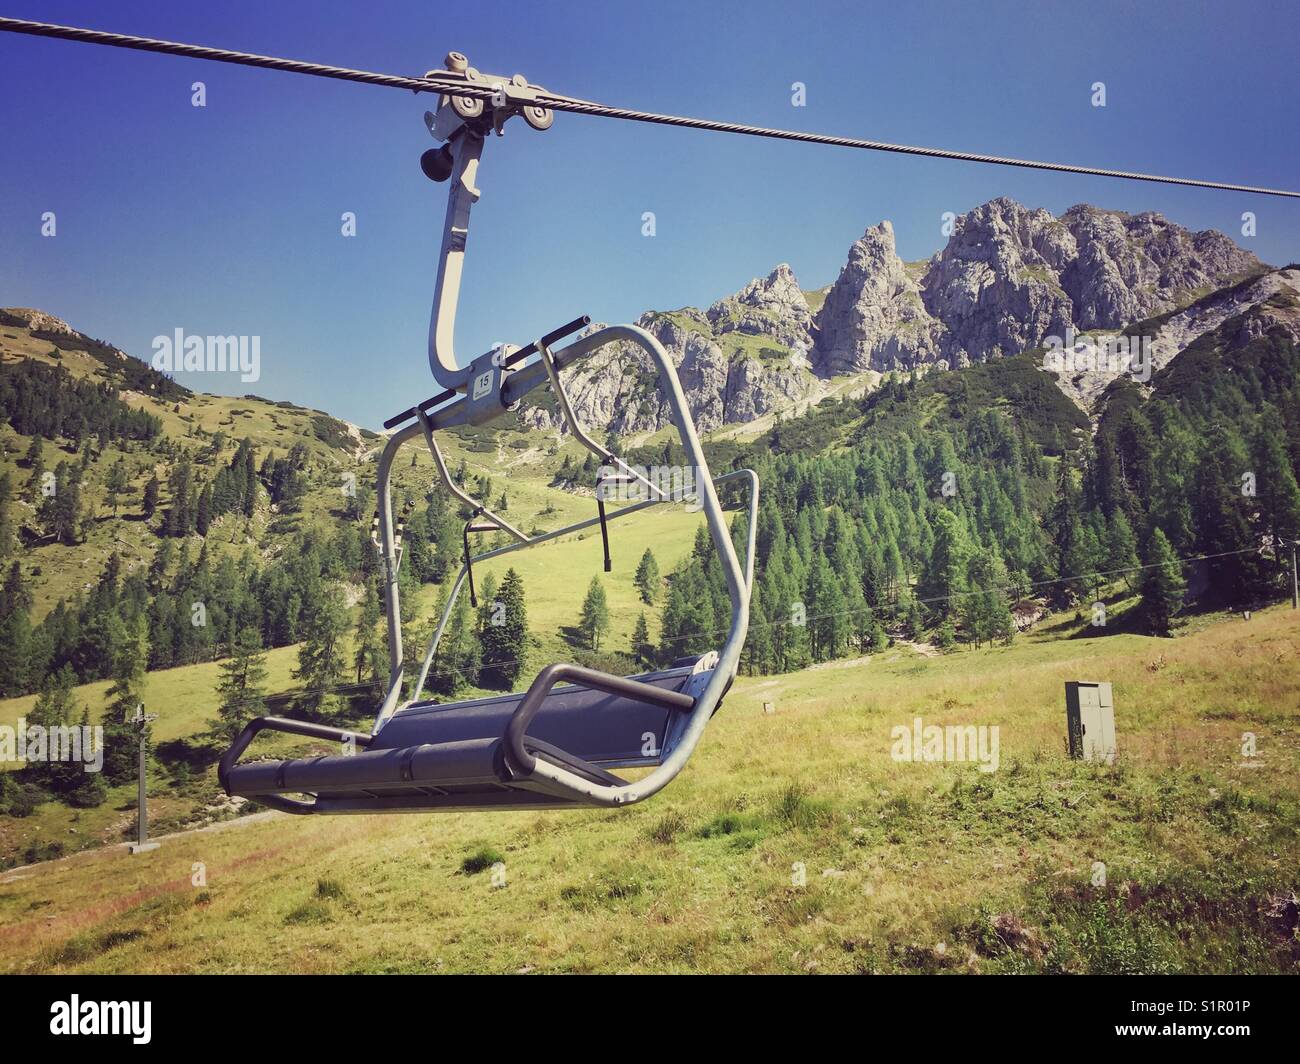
(597, 727)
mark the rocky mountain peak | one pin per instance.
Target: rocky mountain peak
(36, 321)
(1009, 277)
(779, 290)
(772, 306)
(1131, 267)
(873, 316)
(996, 286)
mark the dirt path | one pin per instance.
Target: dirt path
(926, 650)
(27, 871)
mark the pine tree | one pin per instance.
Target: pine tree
(689, 619)
(118, 483)
(368, 655)
(487, 602)
(828, 623)
(879, 639)
(35, 462)
(125, 697)
(1062, 521)
(1086, 558)
(1223, 531)
(984, 611)
(642, 649)
(242, 685)
(456, 665)
(180, 517)
(203, 512)
(594, 622)
(946, 572)
(56, 703)
(756, 655)
(1121, 549)
(149, 505)
(6, 515)
(67, 780)
(647, 577)
(61, 512)
(246, 462)
(15, 594)
(787, 613)
(505, 634)
(945, 636)
(1163, 585)
(77, 787)
(913, 618)
(320, 658)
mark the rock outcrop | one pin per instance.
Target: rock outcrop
(1009, 278)
(745, 357)
(874, 316)
(996, 286)
(36, 321)
(1133, 267)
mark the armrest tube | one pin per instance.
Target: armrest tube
(551, 337)
(520, 760)
(282, 724)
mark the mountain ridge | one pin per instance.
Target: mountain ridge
(1008, 278)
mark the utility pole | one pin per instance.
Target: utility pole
(1295, 578)
(141, 721)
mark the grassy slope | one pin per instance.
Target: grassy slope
(57, 571)
(555, 575)
(909, 866)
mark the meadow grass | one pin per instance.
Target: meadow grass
(792, 842)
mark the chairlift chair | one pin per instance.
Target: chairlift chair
(554, 744)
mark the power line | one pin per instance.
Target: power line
(953, 596)
(1008, 588)
(575, 106)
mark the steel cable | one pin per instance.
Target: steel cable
(587, 107)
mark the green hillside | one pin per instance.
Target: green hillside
(906, 866)
(268, 537)
(950, 509)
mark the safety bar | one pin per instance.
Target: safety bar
(524, 763)
(547, 360)
(473, 503)
(550, 338)
(391, 702)
(711, 685)
(600, 513)
(292, 727)
(470, 526)
(580, 322)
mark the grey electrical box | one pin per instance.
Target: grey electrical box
(1090, 717)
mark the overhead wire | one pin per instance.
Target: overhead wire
(809, 618)
(573, 105)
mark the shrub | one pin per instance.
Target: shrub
(668, 827)
(481, 860)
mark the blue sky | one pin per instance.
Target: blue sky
(225, 219)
